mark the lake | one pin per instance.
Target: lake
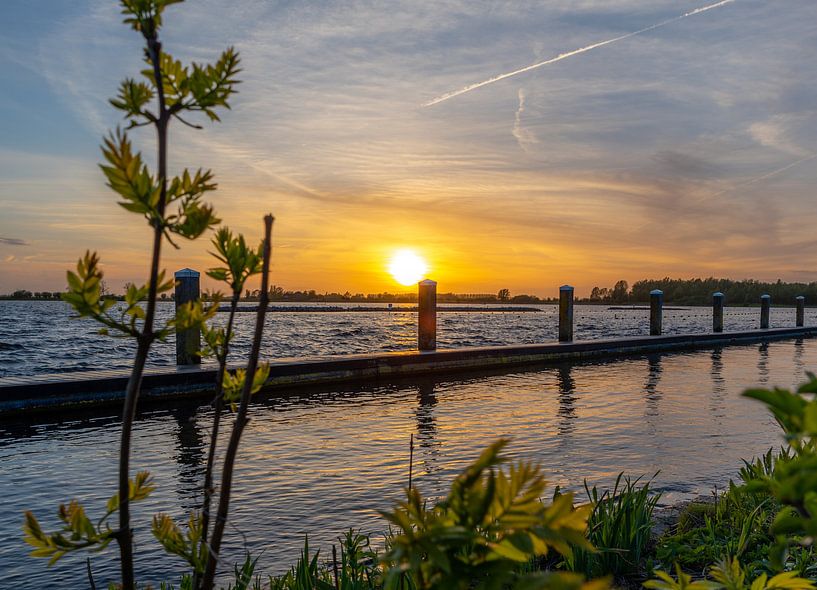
(39, 336)
(322, 461)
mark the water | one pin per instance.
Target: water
(323, 461)
(38, 336)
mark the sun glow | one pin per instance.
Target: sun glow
(407, 267)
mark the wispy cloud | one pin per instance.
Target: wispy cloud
(524, 137)
(326, 133)
(13, 242)
(561, 56)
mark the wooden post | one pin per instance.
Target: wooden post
(656, 311)
(801, 311)
(427, 316)
(717, 312)
(565, 313)
(765, 306)
(188, 342)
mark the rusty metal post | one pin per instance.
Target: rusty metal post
(188, 342)
(427, 316)
(717, 312)
(801, 311)
(656, 311)
(765, 307)
(565, 313)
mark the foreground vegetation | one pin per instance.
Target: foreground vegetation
(757, 534)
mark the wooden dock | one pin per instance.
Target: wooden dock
(53, 392)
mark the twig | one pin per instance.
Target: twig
(241, 418)
(411, 457)
(335, 566)
(146, 337)
(90, 573)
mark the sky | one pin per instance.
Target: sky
(687, 149)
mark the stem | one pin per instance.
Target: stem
(335, 566)
(145, 339)
(240, 419)
(411, 458)
(219, 407)
(90, 573)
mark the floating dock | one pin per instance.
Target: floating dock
(54, 392)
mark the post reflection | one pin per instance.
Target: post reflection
(428, 445)
(190, 456)
(652, 393)
(763, 363)
(567, 400)
(718, 397)
(798, 358)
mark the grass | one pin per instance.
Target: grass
(619, 528)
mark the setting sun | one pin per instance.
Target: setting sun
(407, 267)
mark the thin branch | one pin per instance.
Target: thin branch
(217, 411)
(134, 124)
(154, 48)
(186, 122)
(90, 573)
(241, 418)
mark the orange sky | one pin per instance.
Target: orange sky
(682, 151)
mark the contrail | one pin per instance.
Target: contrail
(561, 56)
(765, 176)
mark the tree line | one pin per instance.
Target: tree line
(699, 291)
(677, 291)
(277, 293)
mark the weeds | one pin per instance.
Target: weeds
(618, 528)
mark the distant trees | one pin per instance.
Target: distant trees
(277, 293)
(26, 294)
(699, 291)
(620, 292)
(678, 291)
(600, 294)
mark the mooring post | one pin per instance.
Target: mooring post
(656, 311)
(765, 306)
(427, 316)
(565, 313)
(188, 342)
(717, 312)
(801, 311)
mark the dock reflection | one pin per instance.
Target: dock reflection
(763, 363)
(428, 444)
(798, 358)
(652, 394)
(190, 456)
(567, 400)
(717, 402)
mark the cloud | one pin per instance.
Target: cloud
(561, 56)
(525, 137)
(767, 175)
(621, 146)
(12, 242)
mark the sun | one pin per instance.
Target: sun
(407, 267)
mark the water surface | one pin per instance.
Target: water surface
(320, 462)
(39, 336)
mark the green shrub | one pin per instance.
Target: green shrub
(618, 528)
(484, 533)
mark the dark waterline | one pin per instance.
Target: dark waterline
(324, 461)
